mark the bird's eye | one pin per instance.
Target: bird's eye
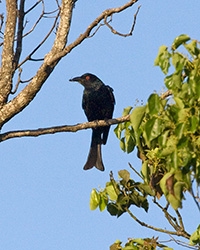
(87, 78)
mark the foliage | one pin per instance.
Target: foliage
(166, 133)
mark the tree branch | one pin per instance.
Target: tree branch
(29, 92)
(53, 57)
(86, 34)
(6, 73)
(118, 33)
(19, 34)
(178, 233)
(57, 129)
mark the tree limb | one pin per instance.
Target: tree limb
(6, 73)
(29, 92)
(57, 129)
(178, 233)
(19, 34)
(53, 57)
(86, 34)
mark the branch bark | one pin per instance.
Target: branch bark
(6, 73)
(58, 129)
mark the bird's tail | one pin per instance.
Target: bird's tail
(94, 157)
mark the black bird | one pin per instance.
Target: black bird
(98, 104)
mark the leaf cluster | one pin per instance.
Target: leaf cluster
(166, 132)
(139, 244)
(119, 196)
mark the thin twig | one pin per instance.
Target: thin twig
(29, 56)
(179, 242)
(166, 94)
(178, 233)
(184, 244)
(135, 171)
(33, 6)
(168, 216)
(180, 220)
(1, 24)
(18, 82)
(118, 33)
(39, 19)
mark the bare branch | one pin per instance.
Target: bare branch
(86, 34)
(135, 171)
(39, 19)
(178, 233)
(53, 57)
(172, 220)
(166, 94)
(39, 45)
(19, 35)
(118, 33)
(57, 129)
(1, 24)
(33, 6)
(18, 82)
(181, 243)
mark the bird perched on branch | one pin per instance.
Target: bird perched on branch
(98, 104)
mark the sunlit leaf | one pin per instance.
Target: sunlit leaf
(127, 111)
(124, 174)
(137, 116)
(111, 191)
(154, 104)
(180, 40)
(94, 199)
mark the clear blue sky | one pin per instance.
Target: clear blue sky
(44, 191)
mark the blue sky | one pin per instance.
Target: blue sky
(44, 191)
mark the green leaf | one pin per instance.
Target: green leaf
(179, 61)
(94, 199)
(112, 209)
(146, 188)
(179, 102)
(116, 245)
(195, 237)
(139, 241)
(124, 174)
(192, 48)
(122, 144)
(194, 123)
(103, 202)
(180, 129)
(127, 111)
(153, 128)
(137, 116)
(118, 130)
(163, 183)
(110, 190)
(162, 59)
(145, 171)
(130, 140)
(175, 203)
(130, 248)
(178, 190)
(154, 104)
(179, 40)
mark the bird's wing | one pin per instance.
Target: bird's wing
(111, 94)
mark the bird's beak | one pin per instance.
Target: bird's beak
(75, 79)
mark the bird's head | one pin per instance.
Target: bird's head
(88, 81)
